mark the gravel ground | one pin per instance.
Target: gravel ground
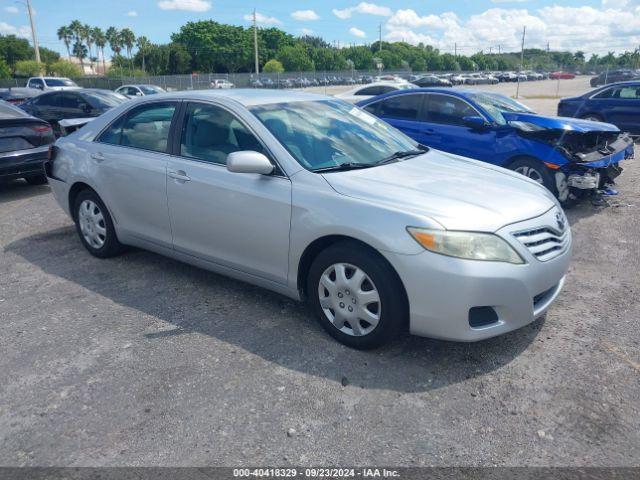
(141, 360)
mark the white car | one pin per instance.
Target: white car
(139, 90)
(48, 84)
(221, 83)
(364, 92)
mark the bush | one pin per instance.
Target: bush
(63, 68)
(273, 66)
(5, 71)
(28, 68)
(125, 72)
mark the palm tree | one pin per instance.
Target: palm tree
(100, 40)
(113, 37)
(128, 40)
(66, 35)
(88, 39)
(77, 30)
(143, 44)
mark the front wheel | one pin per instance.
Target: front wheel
(356, 295)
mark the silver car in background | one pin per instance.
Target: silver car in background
(316, 199)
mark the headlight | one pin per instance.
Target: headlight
(468, 245)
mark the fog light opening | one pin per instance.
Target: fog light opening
(482, 316)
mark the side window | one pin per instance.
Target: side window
(113, 132)
(631, 93)
(385, 89)
(372, 108)
(369, 91)
(51, 100)
(448, 110)
(404, 107)
(70, 100)
(608, 93)
(35, 83)
(146, 127)
(211, 133)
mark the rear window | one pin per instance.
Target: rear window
(104, 100)
(60, 82)
(9, 111)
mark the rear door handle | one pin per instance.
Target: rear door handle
(180, 175)
(98, 156)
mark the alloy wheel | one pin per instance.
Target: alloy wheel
(530, 172)
(349, 299)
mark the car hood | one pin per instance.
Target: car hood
(559, 123)
(457, 192)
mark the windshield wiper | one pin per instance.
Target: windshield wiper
(343, 167)
(394, 157)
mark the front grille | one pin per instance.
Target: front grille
(544, 243)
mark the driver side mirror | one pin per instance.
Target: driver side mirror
(247, 161)
(475, 122)
(85, 107)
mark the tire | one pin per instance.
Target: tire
(364, 310)
(36, 179)
(537, 171)
(593, 117)
(94, 225)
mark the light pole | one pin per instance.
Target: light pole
(36, 47)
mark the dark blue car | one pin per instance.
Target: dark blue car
(617, 103)
(568, 156)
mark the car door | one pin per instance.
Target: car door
(443, 128)
(44, 106)
(620, 106)
(240, 221)
(130, 160)
(403, 112)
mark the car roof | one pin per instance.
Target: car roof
(248, 96)
(456, 92)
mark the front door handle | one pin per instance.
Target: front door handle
(180, 175)
(98, 156)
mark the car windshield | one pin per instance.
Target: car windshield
(330, 133)
(150, 89)
(104, 100)
(495, 104)
(60, 82)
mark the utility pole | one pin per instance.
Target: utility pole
(524, 31)
(380, 37)
(33, 32)
(455, 50)
(255, 41)
(499, 49)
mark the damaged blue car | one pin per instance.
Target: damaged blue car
(571, 157)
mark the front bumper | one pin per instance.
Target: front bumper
(442, 290)
(23, 163)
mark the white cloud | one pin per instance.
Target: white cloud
(590, 29)
(262, 19)
(188, 5)
(132, 13)
(7, 29)
(305, 15)
(362, 7)
(356, 32)
(306, 31)
(510, 1)
(11, 9)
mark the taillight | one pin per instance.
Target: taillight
(41, 129)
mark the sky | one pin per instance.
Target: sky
(593, 26)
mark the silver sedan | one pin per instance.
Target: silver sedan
(316, 199)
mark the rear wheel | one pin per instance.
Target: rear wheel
(356, 296)
(94, 226)
(36, 179)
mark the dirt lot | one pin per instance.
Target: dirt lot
(141, 360)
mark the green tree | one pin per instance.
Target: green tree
(79, 33)
(143, 45)
(66, 35)
(295, 59)
(128, 39)
(114, 39)
(419, 65)
(5, 71)
(100, 40)
(28, 68)
(64, 68)
(273, 66)
(14, 49)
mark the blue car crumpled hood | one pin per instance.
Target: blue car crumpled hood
(558, 123)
